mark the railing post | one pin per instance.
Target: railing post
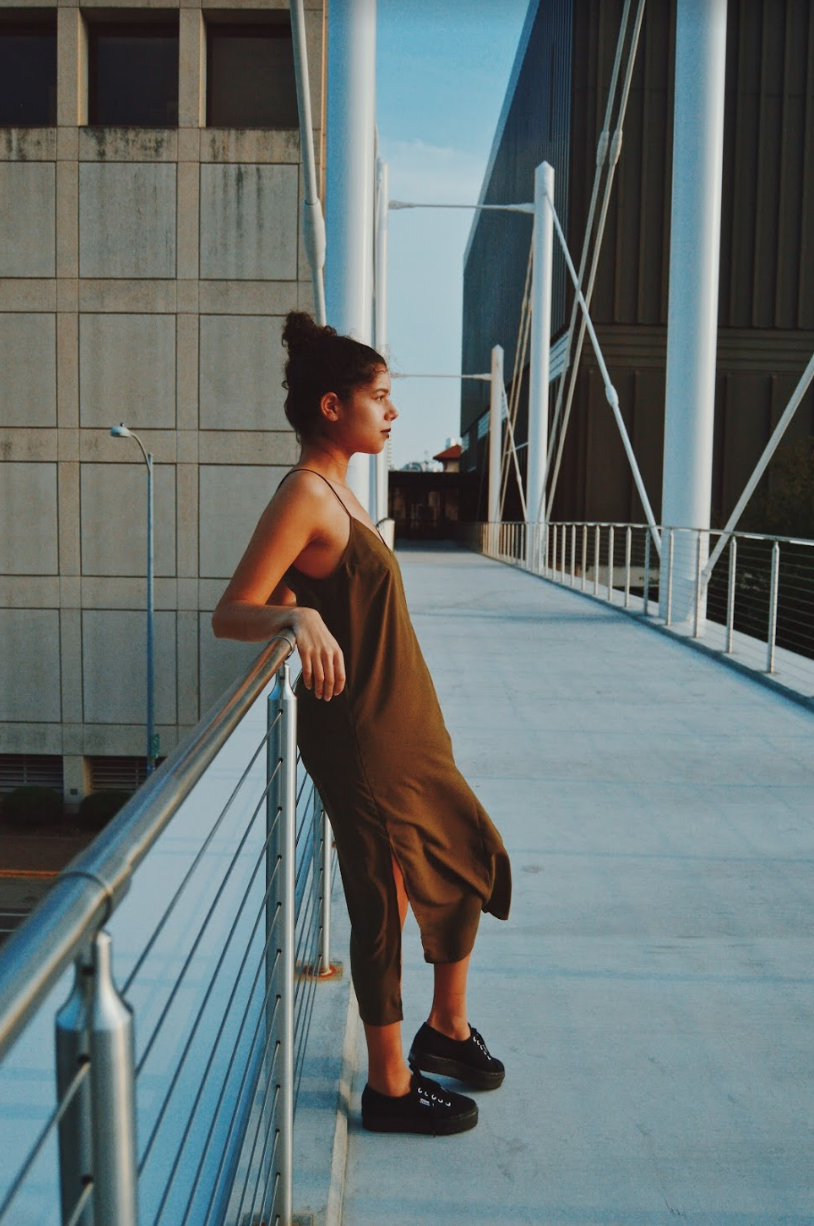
(597, 542)
(698, 569)
(584, 553)
(646, 592)
(112, 1095)
(563, 555)
(774, 586)
(628, 542)
(325, 918)
(281, 801)
(610, 562)
(730, 596)
(75, 1142)
(573, 553)
(670, 552)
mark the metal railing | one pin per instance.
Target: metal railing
(745, 595)
(174, 1094)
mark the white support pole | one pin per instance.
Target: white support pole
(692, 328)
(380, 315)
(350, 166)
(495, 434)
(540, 340)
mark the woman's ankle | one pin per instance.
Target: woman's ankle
(453, 1026)
(394, 1084)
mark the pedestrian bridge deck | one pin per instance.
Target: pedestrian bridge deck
(652, 994)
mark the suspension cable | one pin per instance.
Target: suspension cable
(615, 150)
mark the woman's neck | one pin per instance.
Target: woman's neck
(328, 460)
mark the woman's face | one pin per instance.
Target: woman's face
(368, 414)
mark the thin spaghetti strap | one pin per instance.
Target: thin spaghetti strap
(325, 479)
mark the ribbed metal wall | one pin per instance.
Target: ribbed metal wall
(766, 310)
(537, 129)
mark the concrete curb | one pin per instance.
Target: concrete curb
(339, 1157)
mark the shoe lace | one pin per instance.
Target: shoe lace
(478, 1039)
(436, 1098)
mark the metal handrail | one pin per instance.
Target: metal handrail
(754, 617)
(87, 892)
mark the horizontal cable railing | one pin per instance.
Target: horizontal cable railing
(173, 1095)
(748, 596)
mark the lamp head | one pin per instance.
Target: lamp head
(120, 431)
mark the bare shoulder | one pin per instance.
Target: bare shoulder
(306, 496)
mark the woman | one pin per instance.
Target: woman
(407, 827)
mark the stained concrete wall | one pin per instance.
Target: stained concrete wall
(144, 277)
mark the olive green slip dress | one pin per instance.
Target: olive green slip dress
(381, 757)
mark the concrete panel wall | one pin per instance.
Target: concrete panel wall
(144, 276)
(114, 518)
(232, 499)
(241, 373)
(114, 666)
(29, 665)
(27, 219)
(28, 495)
(249, 222)
(28, 386)
(221, 661)
(126, 219)
(127, 370)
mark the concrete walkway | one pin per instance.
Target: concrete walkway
(652, 994)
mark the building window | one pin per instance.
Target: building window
(133, 74)
(250, 76)
(28, 69)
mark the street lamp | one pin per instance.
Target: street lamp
(121, 431)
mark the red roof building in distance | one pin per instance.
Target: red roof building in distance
(450, 458)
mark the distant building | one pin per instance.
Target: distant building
(553, 110)
(450, 457)
(150, 201)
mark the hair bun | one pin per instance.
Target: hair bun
(300, 329)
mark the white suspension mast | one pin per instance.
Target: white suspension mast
(692, 329)
(350, 165)
(541, 283)
(380, 319)
(313, 223)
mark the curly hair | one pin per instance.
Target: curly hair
(320, 361)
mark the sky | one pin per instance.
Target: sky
(442, 68)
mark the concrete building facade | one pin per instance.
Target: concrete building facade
(144, 274)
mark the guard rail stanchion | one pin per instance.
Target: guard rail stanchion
(646, 592)
(274, 934)
(670, 551)
(325, 952)
(584, 554)
(597, 545)
(628, 543)
(573, 553)
(698, 570)
(112, 1095)
(610, 562)
(288, 835)
(75, 1143)
(730, 595)
(773, 589)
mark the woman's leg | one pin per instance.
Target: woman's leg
(448, 1012)
(387, 1069)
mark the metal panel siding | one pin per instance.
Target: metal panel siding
(537, 129)
(767, 236)
(766, 302)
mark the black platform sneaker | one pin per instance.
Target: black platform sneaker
(426, 1108)
(467, 1060)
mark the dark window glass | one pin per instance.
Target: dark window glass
(250, 77)
(133, 76)
(28, 75)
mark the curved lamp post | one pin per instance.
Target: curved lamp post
(121, 431)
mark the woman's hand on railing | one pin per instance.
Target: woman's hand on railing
(323, 664)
